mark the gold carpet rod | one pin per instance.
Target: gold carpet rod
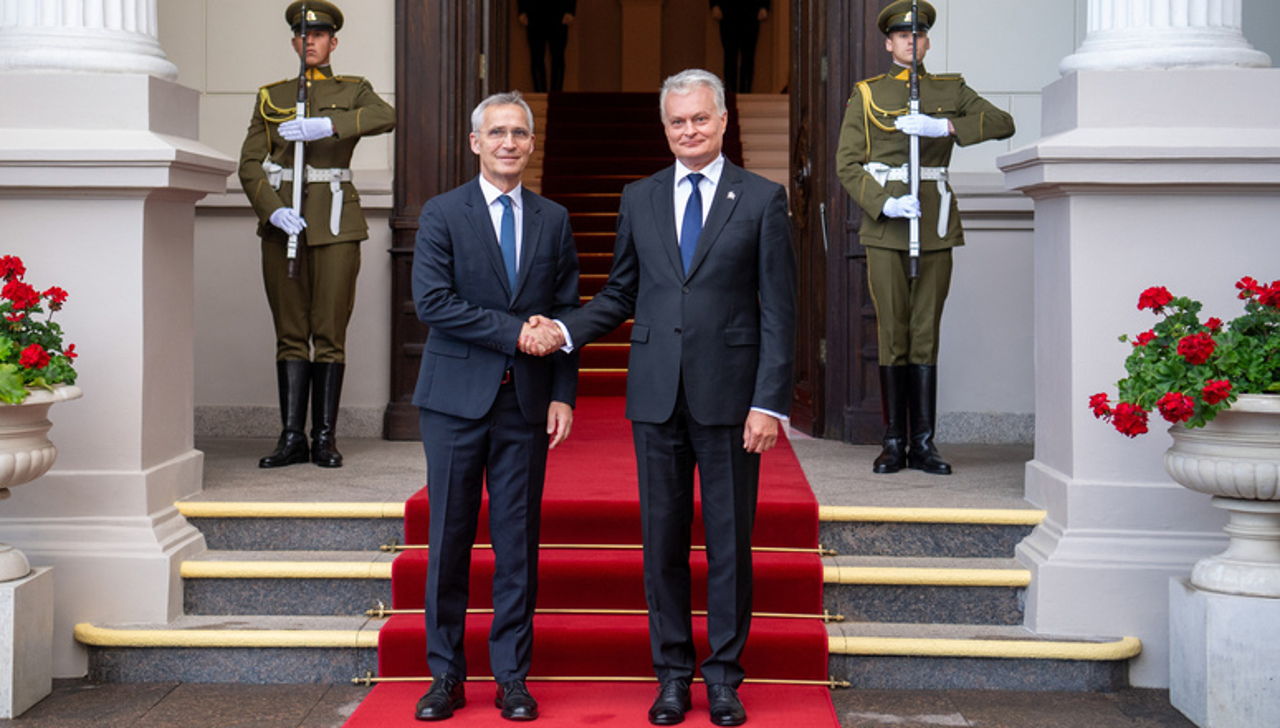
(394, 547)
(381, 611)
(369, 679)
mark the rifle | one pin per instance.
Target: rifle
(913, 173)
(299, 150)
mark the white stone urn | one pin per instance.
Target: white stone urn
(1236, 459)
(25, 454)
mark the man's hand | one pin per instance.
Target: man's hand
(717, 13)
(307, 129)
(567, 19)
(763, 15)
(559, 422)
(288, 220)
(524, 19)
(924, 126)
(540, 336)
(760, 433)
(905, 206)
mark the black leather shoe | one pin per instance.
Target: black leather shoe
(445, 696)
(726, 709)
(672, 703)
(515, 702)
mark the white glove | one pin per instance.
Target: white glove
(913, 124)
(288, 220)
(307, 129)
(905, 206)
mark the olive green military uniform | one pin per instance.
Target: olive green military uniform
(909, 313)
(314, 308)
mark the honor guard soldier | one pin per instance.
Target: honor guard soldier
(311, 254)
(872, 161)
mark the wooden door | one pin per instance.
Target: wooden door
(837, 388)
(449, 53)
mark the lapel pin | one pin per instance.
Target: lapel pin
(732, 195)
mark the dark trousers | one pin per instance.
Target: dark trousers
(738, 36)
(506, 454)
(542, 36)
(666, 456)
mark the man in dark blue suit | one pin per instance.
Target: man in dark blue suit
(703, 261)
(547, 26)
(739, 29)
(488, 255)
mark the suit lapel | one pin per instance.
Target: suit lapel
(482, 226)
(664, 211)
(728, 193)
(531, 237)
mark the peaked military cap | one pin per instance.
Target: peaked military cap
(897, 16)
(321, 15)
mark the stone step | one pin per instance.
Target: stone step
(250, 526)
(941, 532)
(263, 649)
(926, 590)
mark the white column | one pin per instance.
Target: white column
(1133, 34)
(81, 36)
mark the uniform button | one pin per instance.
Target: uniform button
(685, 289)
(678, 330)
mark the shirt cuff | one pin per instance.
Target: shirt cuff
(781, 418)
(568, 340)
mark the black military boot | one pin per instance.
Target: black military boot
(293, 377)
(326, 391)
(924, 414)
(893, 401)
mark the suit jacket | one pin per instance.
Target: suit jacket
(546, 12)
(460, 290)
(356, 110)
(868, 135)
(728, 328)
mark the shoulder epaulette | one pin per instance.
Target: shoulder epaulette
(859, 85)
(948, 76)
(277, 83)
(349, 79)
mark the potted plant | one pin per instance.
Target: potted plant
(35, 372)
(1218, 385)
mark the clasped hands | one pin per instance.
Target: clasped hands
(540, 336)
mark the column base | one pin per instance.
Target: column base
(1222, 666)
(26, 641)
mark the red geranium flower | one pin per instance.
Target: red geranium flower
(1196, 348)
(34, 357)
(11, 267)
(70, 353)
(1215, 390)
(56, 297)
(1270, 296)
(1176, 407)
(1154, 298)
(1213, 324)
(1247, 287)
(1129, 419)
(21, 294)
(1100, 405)
(1146, 337)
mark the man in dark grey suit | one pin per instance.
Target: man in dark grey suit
(488, 255)
(703, 261)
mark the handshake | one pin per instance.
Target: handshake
(540, 336)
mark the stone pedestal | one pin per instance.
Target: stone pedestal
(26, 641)
(99, 175)
(1127, 196)
(1222, 658)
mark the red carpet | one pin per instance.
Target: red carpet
(591, 497)
(611, 705)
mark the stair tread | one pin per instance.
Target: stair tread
(923, 562)
(358, 557)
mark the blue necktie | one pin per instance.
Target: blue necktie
(507, 240)
(691, 226)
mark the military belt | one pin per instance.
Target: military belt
(335, 176)
(883, 173)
